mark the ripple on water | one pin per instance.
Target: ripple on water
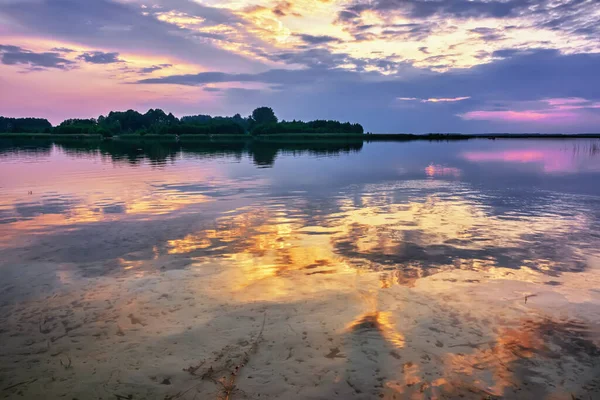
(438, 276)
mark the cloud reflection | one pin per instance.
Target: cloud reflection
(388, 286)
(551, 160)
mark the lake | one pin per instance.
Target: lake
(149, 270)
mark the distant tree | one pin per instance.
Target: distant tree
(217, 128)
(155, 121)
(241, 121)
(124, 121)
(77, 126)
(158, 117)
(264, 115)
(196, 119)
(24, 125)
(220, 122)
(319, 126)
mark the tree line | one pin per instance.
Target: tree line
(263, 121)
(25, 125)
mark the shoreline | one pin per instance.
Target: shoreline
(381, 137)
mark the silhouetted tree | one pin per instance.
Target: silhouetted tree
(319, 126)
(262, 122)
(264, 115)
(77, 126)
(25, 125)
(220, 124)
(196, 119)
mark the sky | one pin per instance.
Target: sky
(470, 66)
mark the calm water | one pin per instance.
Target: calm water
(383, 270)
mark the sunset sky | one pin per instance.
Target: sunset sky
(392, 65)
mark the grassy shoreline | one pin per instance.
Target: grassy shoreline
(47, 136)
(459, 136)
(300, 137)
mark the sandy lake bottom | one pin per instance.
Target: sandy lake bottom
(436, 271)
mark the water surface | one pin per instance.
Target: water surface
(379, 270)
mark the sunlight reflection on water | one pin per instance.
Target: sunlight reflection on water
(449, 269)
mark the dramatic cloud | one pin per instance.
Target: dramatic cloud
(448, 8)
(548, 12)
(14, 55)
(393, 65)
(98, 57)
(471, 30)
(495, 80)
(110, 24)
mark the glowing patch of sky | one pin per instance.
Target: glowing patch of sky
(383, 40)
(450, 43)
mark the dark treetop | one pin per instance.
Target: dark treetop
(262, 122)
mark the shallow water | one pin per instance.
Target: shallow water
(378, 270)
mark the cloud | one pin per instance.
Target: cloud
(62, 50)
(153, 68)
(125, 27)
(457, 8)
(320, 39)
(14, 55)
(284, 8)
(211, 16)
(237, 37)
(541, 74)
(316, 57)
(421, 9)
(9, 48)
(473, 29)
(506, 53)
(200, 79)
(435, 100)
(534, 80)
(445, 100)
(487, 64)
(558, 111)
(287, 77)
(511, 116)
(488, 34)
(572, 103)
(98, 57)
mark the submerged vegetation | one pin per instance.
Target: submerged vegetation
(263, 121)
